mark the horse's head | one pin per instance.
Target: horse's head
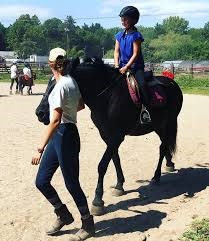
(93, 77)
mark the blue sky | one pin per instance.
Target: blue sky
(106, 12)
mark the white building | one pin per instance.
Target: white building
(167, 64)
(38, 59)
(108, 61)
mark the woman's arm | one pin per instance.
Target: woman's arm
(116, 54)
(51, 128)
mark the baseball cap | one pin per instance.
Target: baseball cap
(54, 53)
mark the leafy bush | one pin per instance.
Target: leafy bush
(196, 85)
(199, 231)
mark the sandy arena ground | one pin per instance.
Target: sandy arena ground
(161, 213)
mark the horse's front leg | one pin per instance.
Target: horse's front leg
(112, 147)
(118, 189)
(170, 166)
(98, 204)
(20, 86)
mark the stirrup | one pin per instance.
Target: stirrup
(145, 116)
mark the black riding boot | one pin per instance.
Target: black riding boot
(87, 230)
(144, 115)
(64, 217)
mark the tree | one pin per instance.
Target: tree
(26, 49)
(173, 46)
(206, 31)
(176, 25)
(25, 30)
(54, 32)
(2, 37)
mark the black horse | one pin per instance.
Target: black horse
(104, 91)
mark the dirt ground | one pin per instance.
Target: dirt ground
(159, 213)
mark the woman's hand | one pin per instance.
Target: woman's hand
(36, 158)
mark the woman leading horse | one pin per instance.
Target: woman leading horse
(105, 92)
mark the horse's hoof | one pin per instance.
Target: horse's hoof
(97, 210)
(170, 168)
(118, 192)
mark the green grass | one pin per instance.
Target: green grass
(40, 78)
(196, 85)
(199, 231)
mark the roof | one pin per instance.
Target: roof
(8, 54)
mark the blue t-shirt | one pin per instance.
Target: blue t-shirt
(126, 49)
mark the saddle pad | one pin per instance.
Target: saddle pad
(158, 96)
(133, 89)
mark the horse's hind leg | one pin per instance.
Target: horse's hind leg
(118, 189)
(157, 175)
(28, 90)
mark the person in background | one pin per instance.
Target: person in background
(60, 147)
(27, 72)
(14, 77)
(128, 54)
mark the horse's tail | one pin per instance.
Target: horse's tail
(172, 128)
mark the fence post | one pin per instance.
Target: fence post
(192, 70)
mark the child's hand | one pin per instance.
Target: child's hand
(123, 70)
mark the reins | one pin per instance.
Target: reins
(110, 85)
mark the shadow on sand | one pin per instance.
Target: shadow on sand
(187, 181)
(4, 95)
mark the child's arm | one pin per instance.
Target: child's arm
(116, 54)
(136, 49)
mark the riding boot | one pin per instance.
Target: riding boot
(87, 230)
(64, 217)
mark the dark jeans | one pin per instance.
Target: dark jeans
(12, 82)
(139, 75)
(62, 150)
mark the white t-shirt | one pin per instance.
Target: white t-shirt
(65, 95)
(13, 70)
(27, 71)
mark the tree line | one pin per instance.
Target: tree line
(171, 40)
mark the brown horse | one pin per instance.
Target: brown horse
(22, 82)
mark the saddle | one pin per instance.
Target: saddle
(26, 77)
(155, 87)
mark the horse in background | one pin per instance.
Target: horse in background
(22, 82)
(105, 92)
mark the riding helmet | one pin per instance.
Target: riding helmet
(131, 12)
